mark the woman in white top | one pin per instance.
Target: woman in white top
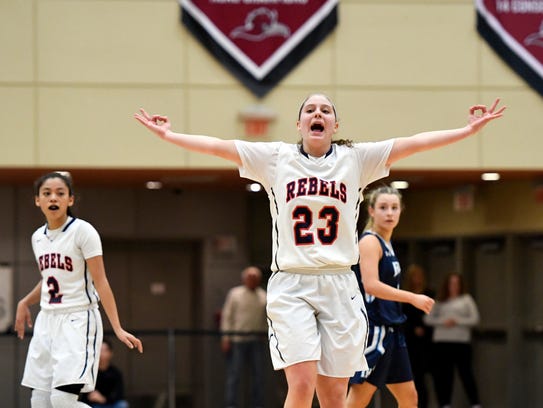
(316, 317)
(453, 317)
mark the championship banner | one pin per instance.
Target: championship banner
(259, 41)
(514, 29)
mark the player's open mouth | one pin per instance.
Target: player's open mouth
(317, 127)
(53, 207)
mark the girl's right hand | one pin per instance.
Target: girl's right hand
(22, 317)
(424, 303)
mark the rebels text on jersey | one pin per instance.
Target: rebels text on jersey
(61, 257)
(313, 186)
(57, 260)
(314, 202)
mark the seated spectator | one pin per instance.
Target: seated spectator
(109, 390)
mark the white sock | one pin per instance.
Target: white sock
(61, 399)
(40, 399)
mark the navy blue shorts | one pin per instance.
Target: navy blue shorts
(387, 357)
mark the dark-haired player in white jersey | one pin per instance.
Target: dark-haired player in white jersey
(379, 276)
(63, 355)
(316, 322)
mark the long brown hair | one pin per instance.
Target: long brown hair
(444, 292)
(414, 271)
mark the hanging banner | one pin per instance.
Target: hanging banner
(514, 29)
(6, 297)
(259, 41)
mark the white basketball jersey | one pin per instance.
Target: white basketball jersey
(61, 255)
(314, 202)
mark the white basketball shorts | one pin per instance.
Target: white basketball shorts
(64, 349)
(317, 317)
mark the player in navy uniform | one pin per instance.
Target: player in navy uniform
(316, 317)
(63, 355)
(379, 277)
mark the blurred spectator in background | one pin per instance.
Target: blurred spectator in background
(453, 317)
(244, 311)
(109, 390)
(418, 334)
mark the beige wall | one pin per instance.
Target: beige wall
(73, 72)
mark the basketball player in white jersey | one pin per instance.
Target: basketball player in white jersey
(316, 316)
(63, 355)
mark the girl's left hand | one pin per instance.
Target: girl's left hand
(158, 124)
(130, 340)
(480, 115)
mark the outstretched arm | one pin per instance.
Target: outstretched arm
(479, 116)
(98, 273)
(161, 126)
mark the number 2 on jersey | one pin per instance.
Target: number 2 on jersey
(54, 290)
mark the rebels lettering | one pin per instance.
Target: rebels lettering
(313, 186)
(56, 261)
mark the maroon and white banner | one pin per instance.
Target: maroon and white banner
(514, 29)
(259, 41)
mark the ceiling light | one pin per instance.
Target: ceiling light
(153, 185)
(490, 176)
(400, 184)
(254, 187)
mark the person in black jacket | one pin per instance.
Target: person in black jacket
(109, 390)
(418, 335)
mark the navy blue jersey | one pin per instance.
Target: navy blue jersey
(383, 312)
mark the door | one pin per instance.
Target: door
(156, 286)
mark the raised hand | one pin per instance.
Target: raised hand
(157, 124)
(480, 115)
